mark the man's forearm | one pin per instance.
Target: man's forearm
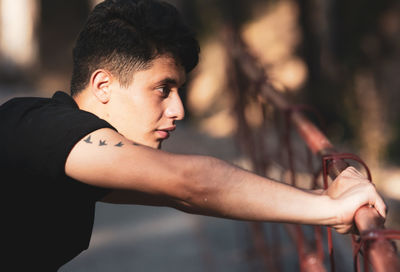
(221, 189)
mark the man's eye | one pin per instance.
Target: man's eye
(164, 91)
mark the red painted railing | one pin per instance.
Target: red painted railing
(248, 78)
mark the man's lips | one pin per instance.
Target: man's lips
(163, 133)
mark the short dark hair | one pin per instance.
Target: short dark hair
(124, 36)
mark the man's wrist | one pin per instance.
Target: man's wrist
(327, 210)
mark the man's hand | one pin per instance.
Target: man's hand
(351, 190)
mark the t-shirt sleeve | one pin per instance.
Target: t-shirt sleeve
(53, 130)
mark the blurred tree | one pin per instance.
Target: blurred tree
(347, 57)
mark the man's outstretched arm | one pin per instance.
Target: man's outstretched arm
(209, 186)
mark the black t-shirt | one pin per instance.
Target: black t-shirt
(47, 217)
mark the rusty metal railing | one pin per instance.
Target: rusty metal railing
(373, 241)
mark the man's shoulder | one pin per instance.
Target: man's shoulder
(37, 130)
(38, 108)
(17, 109)
(46, 116)
(22, 102)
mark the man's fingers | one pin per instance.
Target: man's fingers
(380, 206)
(347, 179)
(343, 229)
(352, 172)
(376, 201)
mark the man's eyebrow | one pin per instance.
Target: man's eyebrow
(168, 81)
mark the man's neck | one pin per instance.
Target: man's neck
(87, 101)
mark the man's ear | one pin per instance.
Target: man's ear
(100, 83)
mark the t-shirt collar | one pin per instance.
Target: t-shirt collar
(64, 98)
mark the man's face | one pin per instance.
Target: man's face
(146, 111)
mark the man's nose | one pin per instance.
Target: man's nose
(175, 109)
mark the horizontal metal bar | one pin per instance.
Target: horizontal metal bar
(381, 252)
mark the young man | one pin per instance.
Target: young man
(61, 155)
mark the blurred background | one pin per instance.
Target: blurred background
(340, 57)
